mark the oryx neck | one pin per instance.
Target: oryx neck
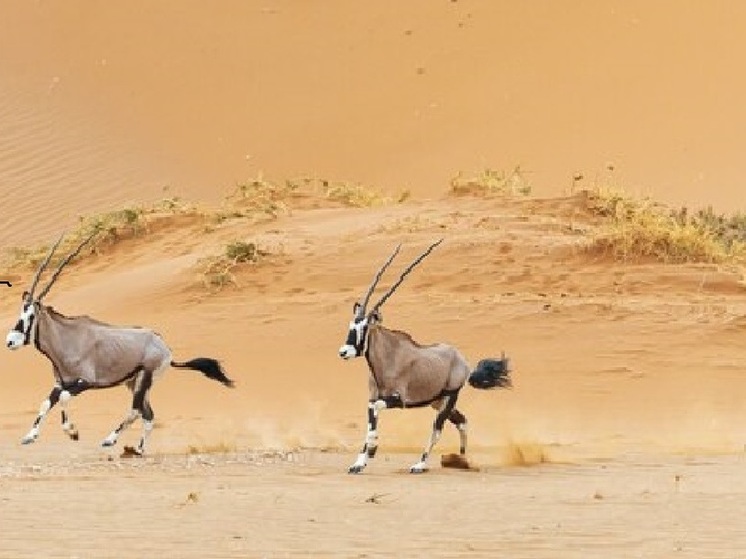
(380, 348)
(46, 335)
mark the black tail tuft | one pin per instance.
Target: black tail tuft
(209, 367)
(491, 373)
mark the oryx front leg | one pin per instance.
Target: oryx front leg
(371, 437)
(67, 426)
(70, 390)
(444, 411)
(44, 408)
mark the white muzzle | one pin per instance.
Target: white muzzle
(14, 339)
(347, 351)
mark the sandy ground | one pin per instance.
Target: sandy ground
(624, 433)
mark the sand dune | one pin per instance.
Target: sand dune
(624, 433)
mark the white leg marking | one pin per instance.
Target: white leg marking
(462, 435)
(68, 427)
(360, 463)
(111, 439)
(421, 466)
(33, 433)
(371, 437)
(147, 427)
(31, 436)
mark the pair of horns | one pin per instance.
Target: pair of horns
(57, 272)
(404, 274)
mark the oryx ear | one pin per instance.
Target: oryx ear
(375, 317)
(26, 296)
(356, 308)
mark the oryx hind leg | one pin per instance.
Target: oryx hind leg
(445, 407)
(139, 386)
(459, 420)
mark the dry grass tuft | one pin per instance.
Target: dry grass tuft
(356, 195)
(491, 183)
(217, 271)
(109, 228)
(639, 228)
(261, 197)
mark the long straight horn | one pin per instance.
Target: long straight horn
(376, 279)
(64, 263)
(405, 273)
(44, 265)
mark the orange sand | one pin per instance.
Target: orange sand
(623, 436)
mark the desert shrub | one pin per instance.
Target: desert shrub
(217, 271)
(639, 228)
(107, 228)
(259, 197)
(491, 182)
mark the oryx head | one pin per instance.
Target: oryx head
(362, 319)
(23, 332)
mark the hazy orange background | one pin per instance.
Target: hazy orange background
(129, 97)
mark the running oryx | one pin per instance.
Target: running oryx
(86, 354)
(405, 374)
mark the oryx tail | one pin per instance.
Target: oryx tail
(209, 367)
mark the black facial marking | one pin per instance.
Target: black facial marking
(352, 337)
(27, 337)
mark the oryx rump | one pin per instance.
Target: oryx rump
(89, 354)
(405, 374)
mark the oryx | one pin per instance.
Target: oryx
(88, 354)
(405, 374)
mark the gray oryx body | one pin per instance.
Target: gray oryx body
(89, 354)
(404, 373)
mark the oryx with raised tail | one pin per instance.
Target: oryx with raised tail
(405, 374)
(89, 354)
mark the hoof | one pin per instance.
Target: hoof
(28, 440)
(417, 469)
(108, 442)
(74, 436)
(355, 469)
